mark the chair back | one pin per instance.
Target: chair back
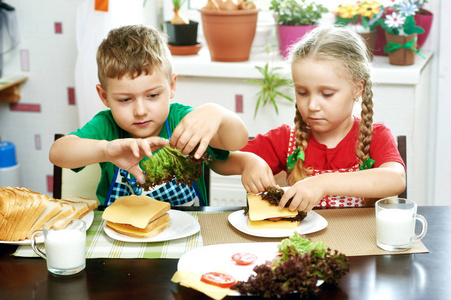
(83, 184)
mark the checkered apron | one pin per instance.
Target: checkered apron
(123, 184)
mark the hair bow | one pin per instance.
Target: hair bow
(368, 163)
(293, 158)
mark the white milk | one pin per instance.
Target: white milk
(65, 249)
(395, 227)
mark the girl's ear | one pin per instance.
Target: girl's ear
(102, 94)
(360, 86)
(173, 84)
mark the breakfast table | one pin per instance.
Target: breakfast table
(121, 270)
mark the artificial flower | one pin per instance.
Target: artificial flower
(395, 20)
(408, 8)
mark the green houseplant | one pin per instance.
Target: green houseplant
(295, 18)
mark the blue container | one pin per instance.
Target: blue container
(9, 168)
(7, 154)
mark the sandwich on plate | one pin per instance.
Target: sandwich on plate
(264, 212)
(137, 216)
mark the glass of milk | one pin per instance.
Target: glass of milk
(65, 245)
(395, 224)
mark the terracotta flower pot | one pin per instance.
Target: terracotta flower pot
(289, 35)
(401, 56)
(229, 34)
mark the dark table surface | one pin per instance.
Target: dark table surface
(399, 276)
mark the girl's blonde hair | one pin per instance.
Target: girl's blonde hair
(133, 50)
(349, 48)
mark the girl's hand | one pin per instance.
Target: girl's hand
(127, 153)
(257, 175)
(306, 194)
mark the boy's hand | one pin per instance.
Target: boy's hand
(305, 193)
(257, 175)
(197, 127)
(127, 153)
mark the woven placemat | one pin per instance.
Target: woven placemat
(351, 231)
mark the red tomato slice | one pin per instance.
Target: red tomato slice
(244, 258)
(222, 280)
(275, 219)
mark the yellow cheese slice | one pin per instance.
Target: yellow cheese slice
(135, 210)
(192, 280)
(259, 225)
(261, 209)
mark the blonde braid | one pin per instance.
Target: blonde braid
(366, 124)
(302, 137)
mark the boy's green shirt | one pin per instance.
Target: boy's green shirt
(103, 127)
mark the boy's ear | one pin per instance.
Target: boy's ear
(173, 84)
(102, 94)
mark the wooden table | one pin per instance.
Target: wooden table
(400, 276)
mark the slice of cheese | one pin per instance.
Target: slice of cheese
(137, 211)
(152, 229)
(261, 209)
(259, 225)
(192, 280)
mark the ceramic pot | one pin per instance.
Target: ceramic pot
(289, 35)
(370, 40)
(423, 20)
(229, 34)
(182, 34)
(401, 56)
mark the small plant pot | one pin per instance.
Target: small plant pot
(401, 56)
(182, 34)
(423, 20)
(289, 35)
(370, 40)
(229, 34)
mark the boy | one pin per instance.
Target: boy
(136, 83)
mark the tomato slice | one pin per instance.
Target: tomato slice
(275, 219)
(243, 258)
(222, 280)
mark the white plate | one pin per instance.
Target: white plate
(88, 218)
(182, 225)
(312, 223)
(218, 258)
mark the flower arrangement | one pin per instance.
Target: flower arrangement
(364, 13)
(401, 19)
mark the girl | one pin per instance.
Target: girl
(332, 157)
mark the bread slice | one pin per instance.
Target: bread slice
(7, 201)
(39, 206)
(52, 208)
(91, 205)
(137, 211)
(25, 199)
(16, 211)
(266, 224)
(152, 229)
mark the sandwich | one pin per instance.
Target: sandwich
(137, 216)
(264, 212)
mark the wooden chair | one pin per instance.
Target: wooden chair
(67, 182)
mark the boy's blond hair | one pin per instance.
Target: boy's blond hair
(133, 50)
(348, 48)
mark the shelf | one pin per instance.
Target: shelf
(10, 88)
(201, 66)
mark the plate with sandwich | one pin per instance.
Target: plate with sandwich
(142, 219)
(24, 211)
(265, 219)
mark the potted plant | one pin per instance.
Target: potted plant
(423, 18)
(295, 18)
(401, 33)
(182, 32)
(362, 18)
(229, 28)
